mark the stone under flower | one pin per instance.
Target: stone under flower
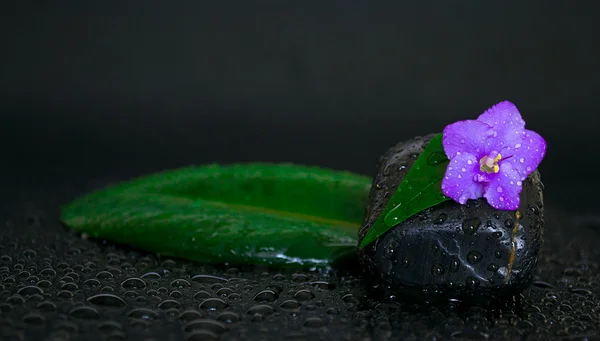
(490, 157)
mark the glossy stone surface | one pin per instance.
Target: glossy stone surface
(452, 248)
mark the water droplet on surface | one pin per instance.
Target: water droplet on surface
(213, 304)
(84, 312)
(498, 254)
(46, 306)
(470, 226)
(224, 292)
(314, 322)
(205, 324)
(200, 295)
(474, 257)
(472, 283)
(34, 319)
(30, 290)
(109, 300)
(304, 295)
(180, 283)
(133, 282)
(437, 270)
(261, 309)
(208, 279)
(266, 296)
(201, 335)
(290, 305)
(151, 275)
(390, 249)
(436, 158)
(454, 264)
(493, 267)
(169, 304)
(143, 314)
(497, 234)
(228, 317)
(440, 219)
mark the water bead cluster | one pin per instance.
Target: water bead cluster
(490, 157)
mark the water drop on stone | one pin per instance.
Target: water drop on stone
(437, 270)
(474, 257)
(440, 219)
(454, 264)
(470, 226)
(493, 267)
(472, 283)
(389, 250)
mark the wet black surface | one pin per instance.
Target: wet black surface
(56, 286)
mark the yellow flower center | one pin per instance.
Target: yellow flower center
(490, 165)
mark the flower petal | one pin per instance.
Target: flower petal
(504, 189)
(468, 136)
(529, 155)
(506, 120)
(460, 181)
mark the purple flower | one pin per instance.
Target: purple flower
(490, 157)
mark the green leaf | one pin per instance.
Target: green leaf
(277, 214)
(420, 189)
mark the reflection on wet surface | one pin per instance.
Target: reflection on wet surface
(54, 283)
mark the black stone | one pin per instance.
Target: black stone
(452, 248)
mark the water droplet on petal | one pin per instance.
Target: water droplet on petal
(499, 189)
(469, 162)
(518, 145)
(464, 169)
(521, 160)
(501, 198)
(519, 183)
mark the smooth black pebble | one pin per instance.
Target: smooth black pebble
(452, 248)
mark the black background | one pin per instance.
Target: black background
(121, 88)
